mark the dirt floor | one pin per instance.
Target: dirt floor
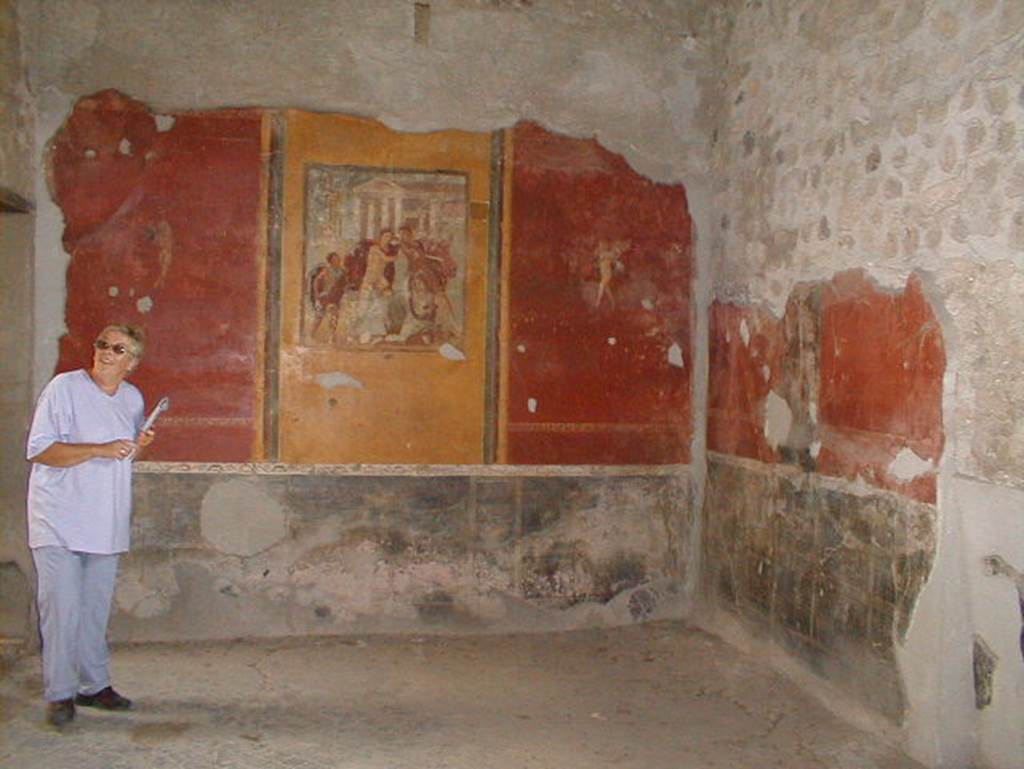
(646, 696)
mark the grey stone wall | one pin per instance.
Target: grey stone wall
(292, 551)
(886, 135)
(17, 232)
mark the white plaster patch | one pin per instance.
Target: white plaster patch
(125, 147)
(531, 405)
(612, 341)
(164, 123)
(144, 305)
(814, 449)
(90, 153)
(778, 419)
(745, 333)
(113, 291)
(766, 372)
(647, 304)
(334, 379)
(238, 517)
(908, 465)
(148, 591)
(521, 348)
(812, 410)
(451, 352)
(675, 355)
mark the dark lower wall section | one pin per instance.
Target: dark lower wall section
(831, 574)
(260, 554)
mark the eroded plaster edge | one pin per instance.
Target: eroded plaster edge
(52, 109)
(857, 488)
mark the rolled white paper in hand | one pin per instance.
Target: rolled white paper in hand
(162, 405)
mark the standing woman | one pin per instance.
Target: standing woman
(84, 436)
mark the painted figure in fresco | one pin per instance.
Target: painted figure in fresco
(85, 434)
(997, 566)
(608, 262)
(375, 288)
(327, 285)
(430, 267)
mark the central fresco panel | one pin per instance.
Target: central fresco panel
(385, 256)
(383, 302)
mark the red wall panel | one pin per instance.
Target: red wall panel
(882, 363)
(597, 338)
(164, 222)
(744, 361)
(862, 372)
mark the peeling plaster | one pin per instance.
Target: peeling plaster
(451, 352)
(146, 592)
(778, 419)
(144, 305)
(907, 465)
(531, 405)
(164, 122)
(239, 518)
(675, 356)
(331, 380)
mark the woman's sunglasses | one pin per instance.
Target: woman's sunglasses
(117, 349)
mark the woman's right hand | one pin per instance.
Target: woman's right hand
(119, 449)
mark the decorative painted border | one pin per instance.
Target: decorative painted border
(501, 471)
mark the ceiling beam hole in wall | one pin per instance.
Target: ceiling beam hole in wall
(421, 23)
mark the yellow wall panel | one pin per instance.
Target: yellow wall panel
(358, 398)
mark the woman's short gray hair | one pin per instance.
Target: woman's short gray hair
(135, 333)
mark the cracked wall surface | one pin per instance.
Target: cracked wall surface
(234, 554)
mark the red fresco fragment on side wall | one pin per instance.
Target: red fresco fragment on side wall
(744, 362)
(599, 308)
(882, 364)
(164, 231)
(878, 363)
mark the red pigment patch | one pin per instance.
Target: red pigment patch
(164, 231)
(599, 296)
